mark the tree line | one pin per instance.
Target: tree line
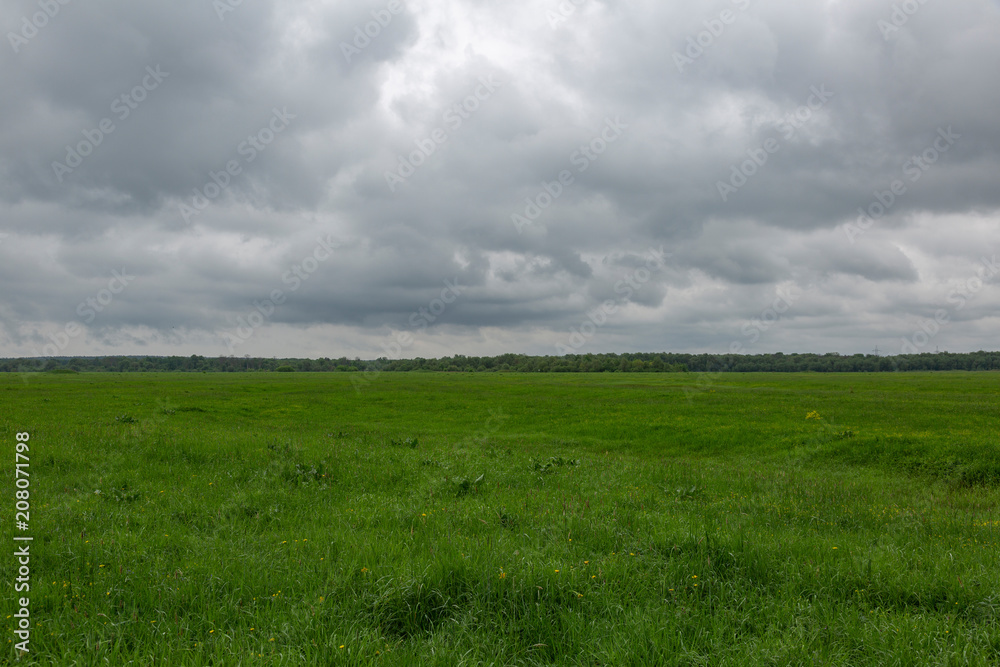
(646, 362)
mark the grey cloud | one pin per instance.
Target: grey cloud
(656, 185)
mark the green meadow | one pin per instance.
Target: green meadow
(506, 519)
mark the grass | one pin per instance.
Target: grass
(441, 519)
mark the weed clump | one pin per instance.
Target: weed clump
(506, 520)
(120, 493)
(688, 493)
(304, 473)
(552, 463)
(465, 487)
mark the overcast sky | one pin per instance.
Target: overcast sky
(438, 177)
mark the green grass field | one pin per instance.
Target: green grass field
(444, 519)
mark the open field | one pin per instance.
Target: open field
(440, 519)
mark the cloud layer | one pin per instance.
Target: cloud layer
(302, 179)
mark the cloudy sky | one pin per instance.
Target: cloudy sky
(425, 178)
